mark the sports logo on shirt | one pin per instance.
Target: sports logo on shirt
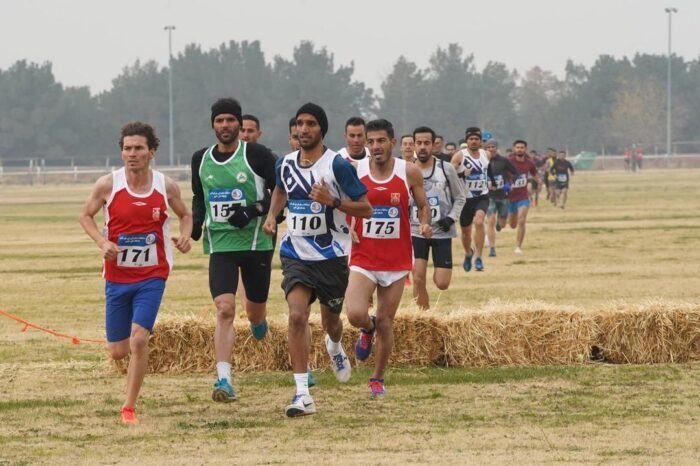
(395, 198)
(151, 238)
(315, 207)
(236, 194)
(155, 214)
(432, 201)
(241, 177)
(393, 212)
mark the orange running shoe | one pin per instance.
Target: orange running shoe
(129, 416)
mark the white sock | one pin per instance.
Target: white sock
(223, 369)
(334, 347)
(302, 381)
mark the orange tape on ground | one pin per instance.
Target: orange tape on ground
(26, 325)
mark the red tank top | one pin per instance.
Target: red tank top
(139, 225)
(385, 239)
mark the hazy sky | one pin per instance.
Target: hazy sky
(90, 41)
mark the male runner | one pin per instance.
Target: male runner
(446, 196)
(355, 149)
(562, 171)
(250, 128)
(322, 189)
(135, 245)
(382, 255)
(519, 203)
(230, 184)
(549, 177)
(293, 134)
(450, 149)
(472, 164)
(502, 172)
(438, 147)
(407, 148)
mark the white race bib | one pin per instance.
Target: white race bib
(384, 223)
(499, 182)
(306, 218)
(223, 201)
(434, 204)
(137, 250)
(562, 177)
(521, 181)
(476, 183)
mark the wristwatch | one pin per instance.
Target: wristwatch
(336, 203)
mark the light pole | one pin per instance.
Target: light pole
(171, 147)
(670, 12)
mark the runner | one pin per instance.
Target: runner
(472, 164)
(438, 149)
(446, 196)
(562, 171)
(355, 140)
(382, 255)
(230, 184)
(250, 129)
(322, 189)
(534, 186)
(407, 148)
(502, 172)
(293, 134)
(450, 149)
(549, 183)
(136, 249)
(519, 203)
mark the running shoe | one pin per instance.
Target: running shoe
(302, 405)
(518, 250)
(223, 392)
(129, 416)
(487, 243)
(478, 264)
(312, 379)
(467, 265)
(563, 207)
(376, 388)
(340, 364)
(498, 226)
(259, 330)
(363, 345)
(492, 252)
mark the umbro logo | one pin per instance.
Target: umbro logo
(139, 203)
(380, 188)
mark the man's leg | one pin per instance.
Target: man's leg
(298, 301)
(360, 288)
(522, 220)
(565, 196)
(491, 228)
(442, 262)
(224, 333)
(479, 232)
(420, 290)
(138, 363)
(255, 276)
(388, 302)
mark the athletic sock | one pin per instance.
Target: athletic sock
(334, 347)
(302, 381)
(223, 369)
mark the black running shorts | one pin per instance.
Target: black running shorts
(470, 207)
(256, 267)
(327, 279)
(442, 250)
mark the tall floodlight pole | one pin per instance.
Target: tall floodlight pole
(670, 12)
(171, 147)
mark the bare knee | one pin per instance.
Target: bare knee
(225, 308)
(442, 284)
(384, 324)
(118, 351)
(138, 343)
(298, 318)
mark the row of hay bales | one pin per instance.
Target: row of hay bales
(498, 335)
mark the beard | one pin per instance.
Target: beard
(227, 137)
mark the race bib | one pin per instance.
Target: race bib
(521, 181)
(476, 182)
(499, 182)
(306, 218)
(562, 177)
(137, 250)
(223, 201)
(384, 223)
(433, 204)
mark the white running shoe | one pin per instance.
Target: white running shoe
(487, 243)
(302, 405)
(518, 250)
(339, 363)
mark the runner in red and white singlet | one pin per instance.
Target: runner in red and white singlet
(382, 251)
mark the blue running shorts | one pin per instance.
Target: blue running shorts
(131, 303)
(514, 206)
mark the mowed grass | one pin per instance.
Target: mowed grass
(623, 237)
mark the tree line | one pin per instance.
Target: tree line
(615, 102)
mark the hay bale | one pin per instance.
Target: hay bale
(654, 332)
(515, 337)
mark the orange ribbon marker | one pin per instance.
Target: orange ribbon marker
(26, 325)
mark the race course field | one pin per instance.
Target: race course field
(625, 238)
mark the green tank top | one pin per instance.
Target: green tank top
(225, 185)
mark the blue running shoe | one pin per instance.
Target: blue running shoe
(223, 392)
(259, 330)
(468, 261)
(312, 379)
(478, 265)
(363, 346)
(492, 252)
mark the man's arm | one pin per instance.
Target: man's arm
(198, 208)
(279, 199)
(456, 162)
(182, 243)
(95, 201)
(346, 176)
(415, 182)
(458, 192)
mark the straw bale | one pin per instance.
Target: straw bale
(653, 332)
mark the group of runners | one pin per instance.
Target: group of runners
(358, 221)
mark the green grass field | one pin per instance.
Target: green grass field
(624, 237)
